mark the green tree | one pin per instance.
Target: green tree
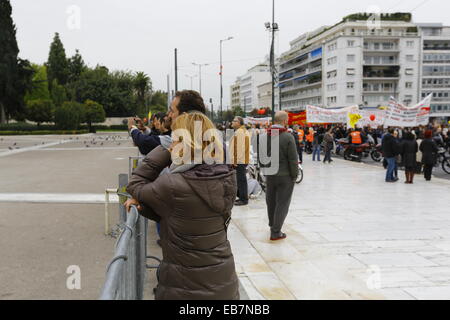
(254, 112)
(142, 85)
(114, 91)
(69, 115)
(158, 102)
(238, 112)
(15, 73)
(76, 67)
(228, 115)
(93, 113)
(57, 64)
(40, 110)
(39, 90)
(58, 93)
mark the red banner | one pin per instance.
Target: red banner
(297, 118)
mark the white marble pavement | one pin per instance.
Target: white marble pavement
(350, 236)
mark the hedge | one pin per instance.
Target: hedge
(41, 132)
(23, 126)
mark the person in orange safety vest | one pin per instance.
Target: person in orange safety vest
(355, 137)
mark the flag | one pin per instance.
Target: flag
(353, 119)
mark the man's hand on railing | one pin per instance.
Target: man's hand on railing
(132, 202)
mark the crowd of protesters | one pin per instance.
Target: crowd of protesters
(415, 149)
(192, 201)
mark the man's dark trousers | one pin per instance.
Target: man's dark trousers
(241, 176)
(278, 199)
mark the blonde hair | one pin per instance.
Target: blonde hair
(197, 136)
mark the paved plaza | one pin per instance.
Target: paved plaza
(52, 212)
(350, 235)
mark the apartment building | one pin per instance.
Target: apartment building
(436, 68)
(235, 93)
(353, 62)
(248, 85)
(265, 96)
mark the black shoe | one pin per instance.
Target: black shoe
(281, 236)
(241, 203)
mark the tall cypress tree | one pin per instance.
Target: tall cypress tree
(15, 73)
(76, 67)
(57, 64)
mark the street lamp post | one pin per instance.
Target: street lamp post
(200, 74)
(191, 77)
(272, 28)
(221, 75)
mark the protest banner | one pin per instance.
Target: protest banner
(398, 115)
(251, 120)
(297, 118)
(320, 115)
(371, 118)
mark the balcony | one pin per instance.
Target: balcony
(438, 48)
(445, 99)
(372, 90)
(302, 85)
(301, 96)
(436, 61)
(294, 63)
(380, 62)
(373, 47)
(437, 74)
(436, 86)
(381, 72)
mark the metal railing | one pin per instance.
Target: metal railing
(125, 275)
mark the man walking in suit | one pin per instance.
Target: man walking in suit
(280, 184)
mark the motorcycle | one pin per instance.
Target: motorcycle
(376, 154)
(356, 152)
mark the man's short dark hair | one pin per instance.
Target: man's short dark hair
(160, 116)
(240, 120)
(190, 101)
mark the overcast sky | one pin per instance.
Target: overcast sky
(140, 35)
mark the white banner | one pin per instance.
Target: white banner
(371, 118)
(251, 120)
(321, 115)
(398, 115)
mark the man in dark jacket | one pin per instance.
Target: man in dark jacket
(148, 141)
(429, 150)
(390, 151)
(280, 184)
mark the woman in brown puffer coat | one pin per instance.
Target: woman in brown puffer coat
(193, 204)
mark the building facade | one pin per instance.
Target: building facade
(436, 68)
(248, 86)
(265, 96)
(352, 63)
(235, 93)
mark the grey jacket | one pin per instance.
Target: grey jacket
(287, 152)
